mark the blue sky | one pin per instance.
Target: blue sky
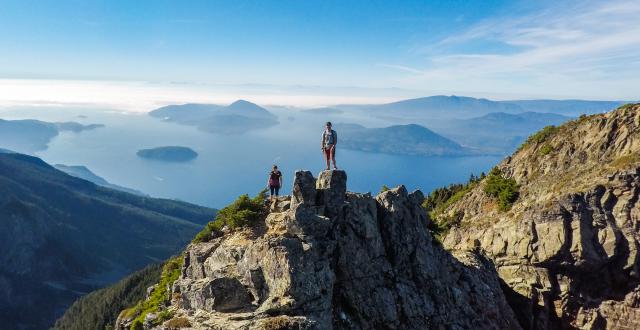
(555, 49)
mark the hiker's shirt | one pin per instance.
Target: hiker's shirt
(329, 138)
(274, 178)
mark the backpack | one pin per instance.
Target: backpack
(332, 137)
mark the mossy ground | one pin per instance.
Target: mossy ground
(244, 211)
(160, 296)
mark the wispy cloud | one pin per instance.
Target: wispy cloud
(571, 49)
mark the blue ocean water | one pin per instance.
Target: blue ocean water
(230, 165)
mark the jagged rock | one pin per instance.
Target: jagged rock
(568, 249)
(339, 260)
(304, 190)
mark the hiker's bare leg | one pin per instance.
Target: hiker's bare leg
(327, 157)
(333, 157)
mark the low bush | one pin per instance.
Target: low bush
(540, 136)
(506, 191)
(159, 297)
(244, 211)
(545, 149)
(440, 199)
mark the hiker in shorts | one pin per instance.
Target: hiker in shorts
(275, 182)
(328, 145)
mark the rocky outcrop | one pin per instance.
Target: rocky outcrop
(568, 249)
(332, 259)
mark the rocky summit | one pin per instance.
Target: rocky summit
(326, 258)
(568, 247)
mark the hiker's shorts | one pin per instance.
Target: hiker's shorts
(330, 153)
(274, 190)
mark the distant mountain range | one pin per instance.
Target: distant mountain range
(467, 107)
(62, 236)
(84, 173)
(567, 107)
(239, 117)
(498, 132)
(31, 135)
(398, 139)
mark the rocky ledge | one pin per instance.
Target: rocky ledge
(326, 258)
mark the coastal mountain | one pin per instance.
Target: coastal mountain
(566, 107)
(559, 219)
(323, 258)
(398, 139)
(62, 237)
(168, 154)
(84, 173)
(498, 132)
(462, 107)
(440, 105)
(30, 135)
(239, 117)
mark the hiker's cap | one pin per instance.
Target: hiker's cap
(328, 123)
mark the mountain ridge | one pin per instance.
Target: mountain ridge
(62, 236)
(568, 245)
(314, 260)
(239, 117)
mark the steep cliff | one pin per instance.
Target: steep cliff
(568, 247)
(326, 258)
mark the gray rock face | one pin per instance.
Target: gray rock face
(303, 189)
(568, 248)
(338, 260)
(573, 264)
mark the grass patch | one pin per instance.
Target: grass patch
(244, 211)
(160, 296)
(384, 188)
(505, 191)
(540, 136)
(545, 149)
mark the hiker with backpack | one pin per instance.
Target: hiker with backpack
(274, 182)
(328, 145)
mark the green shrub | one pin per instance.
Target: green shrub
(160, 296)
(244, 211)
(545, 149)
(540, 136)
(137, 325)
(384, 188)
(503, 189)
(440, 227)
(440, 199)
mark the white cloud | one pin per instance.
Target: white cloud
(578, 51)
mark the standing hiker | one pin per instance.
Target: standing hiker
(275, 182)
(328, 145)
